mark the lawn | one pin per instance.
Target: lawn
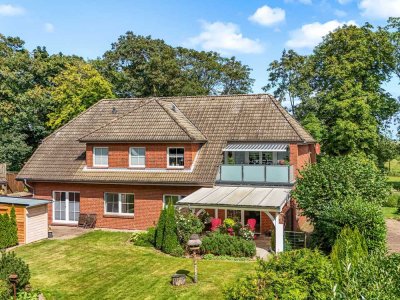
(102, 265)
(390, 213)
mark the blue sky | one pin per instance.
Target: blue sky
(254, 31)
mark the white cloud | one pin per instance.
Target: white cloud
(225, 38)
(48, 27)
(380, 9)
(343, 2)
(309, 35)
(268, 16)
(10, 10)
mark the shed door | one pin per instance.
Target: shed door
(36, 223)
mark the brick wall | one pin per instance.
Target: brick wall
(156, 154)
(148, 201)
(301, 155)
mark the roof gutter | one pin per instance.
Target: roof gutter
(29, 186)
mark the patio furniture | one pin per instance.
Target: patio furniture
(82, 220)
(215, 223)
(252, 224)
(91, 221)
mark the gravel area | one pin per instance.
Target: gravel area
(393, 235)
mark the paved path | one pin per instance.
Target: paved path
(393, 235)
(67, 232)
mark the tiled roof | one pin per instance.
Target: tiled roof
(154, 120)
(216, 119)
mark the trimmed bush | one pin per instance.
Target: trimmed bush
(299, 274)
(4, 290)
(8, 229)
(159, 236)
(11, 264)
(171, 243)
(223, 244)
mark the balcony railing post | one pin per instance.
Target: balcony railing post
(288, 173)
(265, 173)
(242, 173)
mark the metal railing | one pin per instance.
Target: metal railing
(263, 174)
(295, 240)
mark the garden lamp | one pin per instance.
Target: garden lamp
(194, 244)
(13, 278)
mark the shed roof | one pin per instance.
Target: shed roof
(29, 202)
(238, 197)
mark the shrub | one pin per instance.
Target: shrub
(336, 178)
(8, 229)
(246, 233)
(349, 249)
(367, 217)
(229, 223)
(223, 244)
(11, 264)
(171, 241)
(392, 201)
(143, 238)
(159, 236)
(187, 224)
(377, 276)
(4, 290)
(299, 274)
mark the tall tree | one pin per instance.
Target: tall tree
(74, 90)
(339, 87)
(139, 66)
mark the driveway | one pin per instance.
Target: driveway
(393, 235)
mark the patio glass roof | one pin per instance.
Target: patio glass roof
(238, 197)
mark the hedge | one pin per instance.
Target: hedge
(224, 244)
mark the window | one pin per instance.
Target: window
(176, 157)
(283, 155)
(137, 157)
(171, 198)
(100, 157)
(118, 203)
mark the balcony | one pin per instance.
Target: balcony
(256, 174)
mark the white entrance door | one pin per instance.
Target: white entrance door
(66, 207)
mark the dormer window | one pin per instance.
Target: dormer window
(176, 158)
(100, 157)
(137, 157)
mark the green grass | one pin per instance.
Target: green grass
(390, 213)
(394, 167)
(102, 265)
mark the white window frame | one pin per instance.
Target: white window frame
(94, 157)
(130, 158)
(176, 167)
(66, 208)
(119, 213)
(171, 195)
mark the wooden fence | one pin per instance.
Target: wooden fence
(14, 186)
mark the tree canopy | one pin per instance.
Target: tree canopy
(337, 91)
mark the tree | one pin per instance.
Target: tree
(339, 87)
(387, 150)
(13, 226)
(139, 66)
(343, 191)
(75, 89)
(160, 229)
(171, 241)
(286, 76)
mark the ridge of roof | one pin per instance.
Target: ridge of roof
(144, 102)
(176, 120)
(292, 122)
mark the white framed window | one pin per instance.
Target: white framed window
(119, 203)
(66, 206)
(137, 157)
(176, 157)
(171, 198)
(100, 156)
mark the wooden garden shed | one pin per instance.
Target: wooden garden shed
(32, 219)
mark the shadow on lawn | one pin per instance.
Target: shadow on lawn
(185, 272)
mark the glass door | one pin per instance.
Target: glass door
(66, 206)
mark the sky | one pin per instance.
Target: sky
(254, 31)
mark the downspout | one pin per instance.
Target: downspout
(29, 186)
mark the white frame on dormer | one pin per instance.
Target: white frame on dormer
(94, 156)
(130, 157)
(176, 167)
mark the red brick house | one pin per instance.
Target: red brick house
(123, 159)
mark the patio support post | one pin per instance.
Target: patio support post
(278, 231)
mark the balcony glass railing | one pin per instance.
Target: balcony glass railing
(267, 174)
